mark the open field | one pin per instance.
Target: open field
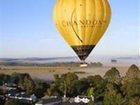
(46, 73)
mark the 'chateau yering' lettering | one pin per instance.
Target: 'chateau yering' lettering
(84, 23)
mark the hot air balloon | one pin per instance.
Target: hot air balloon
(82, 23)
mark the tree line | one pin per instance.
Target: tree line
(111, 89)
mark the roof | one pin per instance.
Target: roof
(66, 103)
(51, 100)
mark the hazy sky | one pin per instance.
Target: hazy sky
(27, 30)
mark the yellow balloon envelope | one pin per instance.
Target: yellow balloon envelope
(82, 23)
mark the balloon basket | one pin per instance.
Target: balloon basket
(83, 64)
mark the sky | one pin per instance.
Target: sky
(27, 30)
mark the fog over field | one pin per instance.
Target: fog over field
(34, 66)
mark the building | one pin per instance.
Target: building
(50, 101)
(22, 96)
(81, 99)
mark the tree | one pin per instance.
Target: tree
(91, 102)
(131, 82)
(66, 81)
(23, 80)
(132, 89)
(78, 87)
(112, 97)
(12, 102)
(54, 90)
(98, 84)
(63, 84)
(16, 102)
(40, 89)
(15, 78)
(112, 76)
(98, 64)
(132, 73)
(28, 85)
(4, 78)
(90, 92)
(134, 101)
(18, 79)
(56, 77)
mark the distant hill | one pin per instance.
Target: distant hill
(37, 60)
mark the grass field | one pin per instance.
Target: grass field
(46, 73)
